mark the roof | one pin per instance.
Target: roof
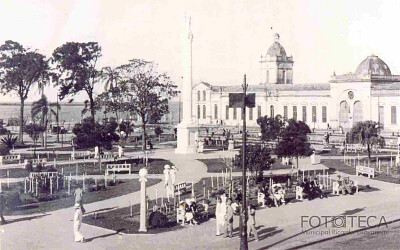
(373, 65)
(279, 87)
(276, 49)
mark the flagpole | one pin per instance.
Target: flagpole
(243, 215)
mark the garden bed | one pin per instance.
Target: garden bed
(46, 202)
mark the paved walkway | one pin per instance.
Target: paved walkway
(279, 227)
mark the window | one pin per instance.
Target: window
(285, 113)
(272, 111)
(381, 115)
(267, 81)
(324, 114)
(204, 95)
(394, 115)
(258, 112)
(198, 111)
(234, 113)
(227, 113)
(250, 114)
(314, 113)
(295, 113)
(198, 95)
(284, 77)
(304, 114)
(204, 111)
(215, 111)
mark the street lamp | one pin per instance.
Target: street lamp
(143, 207)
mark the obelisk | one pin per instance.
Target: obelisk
(187, 129)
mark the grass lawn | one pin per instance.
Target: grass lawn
(123, 188)
(338, 165)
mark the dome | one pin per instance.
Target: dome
(276, 48)
(373, 65)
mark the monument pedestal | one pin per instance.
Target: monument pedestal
(187, 135)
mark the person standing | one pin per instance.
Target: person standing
(251, 222)
(219, 215)
(2, 207)
(228, 220)
(172, 172)
(78, 223)
(166, 175)
(78, 193)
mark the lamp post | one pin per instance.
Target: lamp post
(243, 215)
(143, 208)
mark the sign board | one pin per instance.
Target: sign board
(236, 100)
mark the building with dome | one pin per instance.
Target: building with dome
(370, 93)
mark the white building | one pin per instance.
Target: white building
(370, 93)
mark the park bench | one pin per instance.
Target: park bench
(9, 158)
(80, 154)
(43, 174)
(118, 168)
(370, 172)
(180, 188)
(37, 161)
(180, 216)
(335, 188)
(299, 193)
(261, 199)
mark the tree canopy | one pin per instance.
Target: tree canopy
(76, 64)
(20, 69)
(294, 141)
(366, 133)
(271, 127)
(258, 159)
(89, 134)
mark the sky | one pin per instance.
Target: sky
(229, 35)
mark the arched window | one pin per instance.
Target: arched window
(204, 111)
(284, 77)
(272, 111)
(215, 111)
(198, 111)
(198, 95)
(358, 112)
(344, 112)
(204, 95)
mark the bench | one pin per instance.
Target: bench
(45, 174)
(9, 158)
(119, 168)
(80, 154)
(335, 188)
(261, 199)
(370, 172)
(299, 193)
(37, 161)
(180, 188)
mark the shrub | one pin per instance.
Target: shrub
(28, 199)
(4, 150)
(9, 140)
(12, 199)
(4, 131)
(157, 219)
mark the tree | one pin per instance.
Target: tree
(89, 134)
(294, 141)
(34, 131)
(111, 77)
(20, 70)
(41, 109)
(158, 131)
(258, 159)
(113, 100)
(148, 91)
(9, 140)
(366, 133)
(271, 128)
(77, 63)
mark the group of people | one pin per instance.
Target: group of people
(169, 173)
(273, 195)
(224, 213)
(188, 209)
(345, 185)
(312, 189)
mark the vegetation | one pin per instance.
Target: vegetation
(271, 128)
(258, 159)
(366, 133)
(76, 64)
(9, 140)
(20, 69)
(158, 131)
(34, 131)
(294, 141)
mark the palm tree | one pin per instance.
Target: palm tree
(111, 77)
(41, 109)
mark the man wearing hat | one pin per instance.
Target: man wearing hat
(166, 175)
(228, 220)
(78, 223)
(172, 172)
(2, 207)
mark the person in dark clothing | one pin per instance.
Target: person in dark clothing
(2, 207)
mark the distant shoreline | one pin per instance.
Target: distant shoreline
(30, 104)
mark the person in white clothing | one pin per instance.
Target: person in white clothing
(219, 215)
(78, 223)
(172, 173)
(166, 174)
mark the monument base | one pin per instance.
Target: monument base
(187, 135)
